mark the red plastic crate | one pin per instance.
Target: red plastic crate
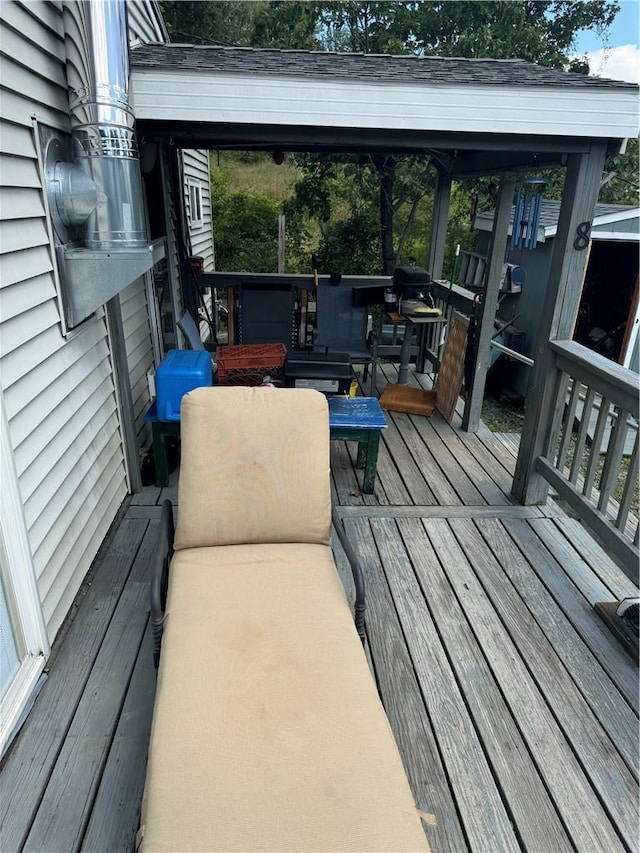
(247, 364)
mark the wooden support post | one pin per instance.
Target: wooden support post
(281, 241)
(484, 332)
(561, 301)
(439, 224)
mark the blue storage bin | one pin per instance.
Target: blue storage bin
(178, 373)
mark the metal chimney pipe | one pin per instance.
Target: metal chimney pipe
(102, 121)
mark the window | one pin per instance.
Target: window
(195, 204)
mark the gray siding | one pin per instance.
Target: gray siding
(196, 167)
(137, 332)
(145, 22)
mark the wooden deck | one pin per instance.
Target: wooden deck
(515, 710)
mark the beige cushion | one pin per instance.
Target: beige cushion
(254, 467)
(268, 733)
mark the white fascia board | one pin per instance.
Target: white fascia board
(201, 96)
(605, 219)
(616, 236)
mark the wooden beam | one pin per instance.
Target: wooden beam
(483, 163)
(562, 297)
(484, 333)
(439, 226)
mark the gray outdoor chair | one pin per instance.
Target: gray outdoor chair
(342, 327)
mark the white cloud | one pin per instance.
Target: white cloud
(616, 63)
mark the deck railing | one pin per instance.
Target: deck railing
(596, 409)
(448, 298)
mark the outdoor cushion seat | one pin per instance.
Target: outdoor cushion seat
(268, 732)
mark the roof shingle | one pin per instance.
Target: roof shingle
(433, 70)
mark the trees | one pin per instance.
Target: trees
(541, 31)
(246, 229)
(210, 21)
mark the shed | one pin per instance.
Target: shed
(607, 320)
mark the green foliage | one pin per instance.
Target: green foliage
(245, 229)
(620, 181)
(211, 21)
(351, 246)
(286, 24)
(541, 31)
(359, 27)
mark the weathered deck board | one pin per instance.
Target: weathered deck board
(592, 680)
(582, 813)
(403, 701)
(411, 474)
(588, 583)
(27, 767)
(608, 774)
(465, 490)
(535, 819)
(510, 511)
(491, 492)
(65, 807)
(580, 613)
(619, 584)
(442, 488)
(346, 486)
(116, 810)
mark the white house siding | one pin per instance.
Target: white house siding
(58, 392)
(196, 168)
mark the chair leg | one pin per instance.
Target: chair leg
(374, 363)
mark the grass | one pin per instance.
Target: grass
(257, 174)
(501, 416)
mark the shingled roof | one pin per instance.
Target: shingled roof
(409, 68)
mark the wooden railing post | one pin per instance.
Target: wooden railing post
(562, 298)
(497, 251)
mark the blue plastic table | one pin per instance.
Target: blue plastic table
(359, 419)
(350, 419)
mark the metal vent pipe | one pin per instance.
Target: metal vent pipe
(102, 122)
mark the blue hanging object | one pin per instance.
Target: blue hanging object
(526, 217)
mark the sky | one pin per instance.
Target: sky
(620, 59)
